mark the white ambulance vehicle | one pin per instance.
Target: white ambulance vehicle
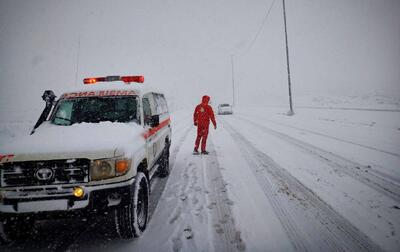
(94, 150)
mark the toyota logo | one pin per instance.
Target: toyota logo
(44, 174)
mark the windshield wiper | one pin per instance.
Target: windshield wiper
(63, 118)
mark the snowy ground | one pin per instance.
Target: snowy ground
(322, 180)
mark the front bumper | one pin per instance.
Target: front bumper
(60, 200)
(225, 112)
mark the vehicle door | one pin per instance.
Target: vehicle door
(150, 136)
(164, 128)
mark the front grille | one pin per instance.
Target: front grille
(49, 172)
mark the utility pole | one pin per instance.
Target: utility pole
(291, 112)
(233, 82)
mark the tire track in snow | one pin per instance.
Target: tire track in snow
(220, 204)
(158, 184)
(177, 211)
(181, 217)
(334, 138)
(203, 200)
(352, 169)
(332, 231)
(355, 109)
(176, 149)
(289, 225)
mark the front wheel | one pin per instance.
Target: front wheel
(131, 219)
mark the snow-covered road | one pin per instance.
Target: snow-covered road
(323, 180)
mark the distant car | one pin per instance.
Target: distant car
(225, 109)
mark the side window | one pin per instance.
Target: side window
(146, 110)
(156, 105)
(164, 104)
(161, 105)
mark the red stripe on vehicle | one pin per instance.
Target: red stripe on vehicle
(6, 157)
(154, 130)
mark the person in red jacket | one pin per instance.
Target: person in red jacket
(202, 115)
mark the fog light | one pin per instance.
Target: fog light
(78, 192)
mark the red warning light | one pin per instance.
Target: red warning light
(128, 79)
(93, 80)
(89, 81)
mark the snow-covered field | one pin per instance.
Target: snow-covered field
(326, 179)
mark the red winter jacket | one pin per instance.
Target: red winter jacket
(204, 113)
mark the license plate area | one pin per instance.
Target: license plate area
(43, 206)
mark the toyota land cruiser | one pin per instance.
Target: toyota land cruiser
(94, 150)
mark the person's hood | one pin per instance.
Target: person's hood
(84, 140)
(205, 99)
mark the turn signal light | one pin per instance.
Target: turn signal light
(122, 166)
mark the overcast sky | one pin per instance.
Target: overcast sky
(184, 46)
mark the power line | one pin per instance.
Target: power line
(260, 28)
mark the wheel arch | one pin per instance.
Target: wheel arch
(143, 167)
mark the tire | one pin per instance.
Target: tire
(163, 169)
(131, 219)
(15, 229)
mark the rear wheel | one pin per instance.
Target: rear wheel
(163, 169)
(131, 219)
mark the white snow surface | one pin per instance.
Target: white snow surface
(321, 180)
(77, 138)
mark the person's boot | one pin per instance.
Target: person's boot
(204, 152)
(195, 152)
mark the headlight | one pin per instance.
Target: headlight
(109, 168)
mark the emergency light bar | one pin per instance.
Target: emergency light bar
(126, 79)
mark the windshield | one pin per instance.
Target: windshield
(96, 109)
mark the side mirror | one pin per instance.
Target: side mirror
(49, 97)
(155, 121)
